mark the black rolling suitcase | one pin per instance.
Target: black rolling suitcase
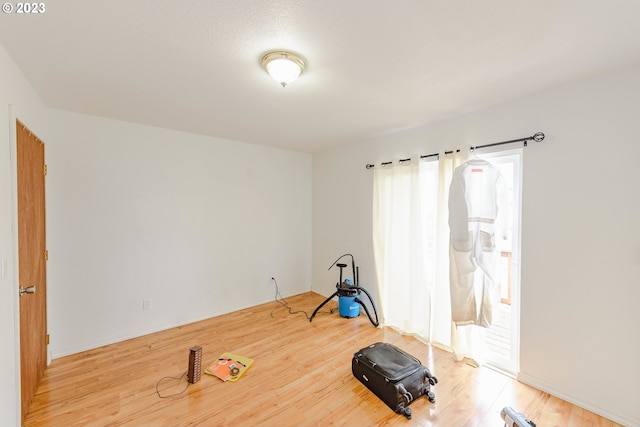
(396, 377)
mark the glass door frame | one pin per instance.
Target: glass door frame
(511, 364)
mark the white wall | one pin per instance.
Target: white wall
(580, 235)
(197, 225)
(26, 106)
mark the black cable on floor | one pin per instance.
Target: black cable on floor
(282, 302)
(178, 379)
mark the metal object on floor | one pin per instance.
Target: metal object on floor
(515, 419)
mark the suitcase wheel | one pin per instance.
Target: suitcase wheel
(433, 381)
(407, 413)
(431, 396)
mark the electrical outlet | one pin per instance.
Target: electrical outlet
(146, 304)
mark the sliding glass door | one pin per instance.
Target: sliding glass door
(411, 245)
(503, 336)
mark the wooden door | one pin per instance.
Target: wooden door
(31, 259)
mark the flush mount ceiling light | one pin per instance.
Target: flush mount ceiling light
(283, 67)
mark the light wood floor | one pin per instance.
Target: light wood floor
(301, 377)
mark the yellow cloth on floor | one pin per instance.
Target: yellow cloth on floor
(226, 364)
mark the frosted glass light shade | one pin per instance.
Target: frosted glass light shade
(283, 67)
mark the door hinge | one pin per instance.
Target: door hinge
(45, 170)
(46, 340)
(46, 255)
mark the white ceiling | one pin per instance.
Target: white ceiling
(374, 66)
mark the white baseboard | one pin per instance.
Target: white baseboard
(124, 337)
(146, 331)
(624, 419)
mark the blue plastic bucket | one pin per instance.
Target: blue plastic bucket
(348, 307)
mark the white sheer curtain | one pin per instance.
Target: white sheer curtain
(466, 341)
(398, 235)
(443, 325)
(411, 249)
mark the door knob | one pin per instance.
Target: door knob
(28, 290)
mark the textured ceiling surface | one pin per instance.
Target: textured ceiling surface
(374, 66)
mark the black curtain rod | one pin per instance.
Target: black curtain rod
(537, 137)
